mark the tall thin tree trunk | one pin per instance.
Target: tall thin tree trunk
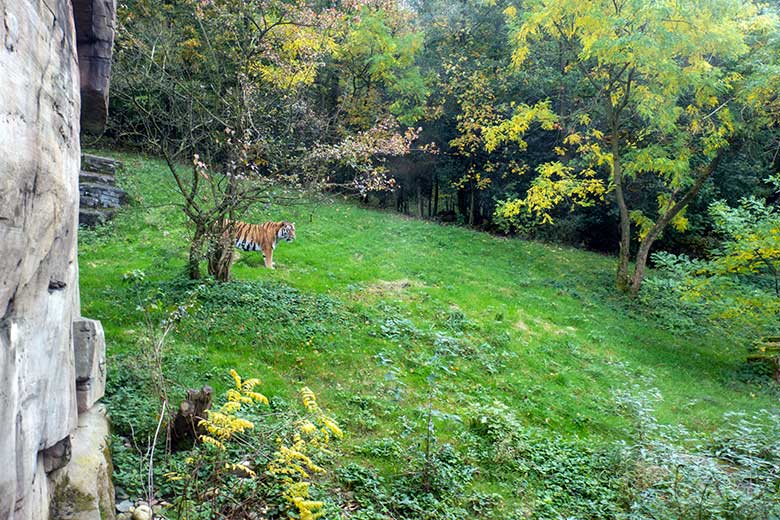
(472, 206)
(420, 206)
(430, 200)
(624, 253)
(641, 265)
(463, 203)
(435, 195)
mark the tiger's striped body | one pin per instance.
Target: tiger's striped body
(260, 237)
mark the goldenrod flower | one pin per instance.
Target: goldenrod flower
(236, 378)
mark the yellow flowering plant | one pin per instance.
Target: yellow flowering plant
(249, 459)
(292, 464)
(223, 423)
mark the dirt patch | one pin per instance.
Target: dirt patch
(390, 289)
(553, 328)
(538, 325)
(522, 327)
(395, 286)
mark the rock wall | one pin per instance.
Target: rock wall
(95, 34)
(39, 296)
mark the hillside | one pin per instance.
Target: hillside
(385, 317)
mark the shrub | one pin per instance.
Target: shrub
(249, 458)
(733, 473)
(740, 283)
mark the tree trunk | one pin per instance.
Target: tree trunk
(196, 253)
(220, 261)
(472, 206)
(435, 195)
(641, 265)
(463, 203)
(429, 197)
(420, 205)
(185, 429)
(624, 253)
(663, 221)
(220, 255)
(399, 200)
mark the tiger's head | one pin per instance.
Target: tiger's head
(287, 231)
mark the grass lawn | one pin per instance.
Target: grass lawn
(382, 316)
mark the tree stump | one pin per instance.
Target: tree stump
(185, 427)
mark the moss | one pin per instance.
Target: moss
(68, 500)
(107, 509)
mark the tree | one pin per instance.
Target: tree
(226, 91)
(376, 68)
(740, 282)
(371, 86)
(216, 89)
(752, 243)
(465, 45)
(663, 91)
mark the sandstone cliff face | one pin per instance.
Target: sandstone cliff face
(39, 296)
(39, 146)
(95, 35)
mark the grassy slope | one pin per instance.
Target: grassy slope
(559, 342)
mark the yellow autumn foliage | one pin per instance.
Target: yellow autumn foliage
(223, 423)
(292, 463)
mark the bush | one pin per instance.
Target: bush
(733, 473)
(248, 458)
(740, 284)
(559, 477)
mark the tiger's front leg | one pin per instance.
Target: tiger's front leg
(268, 255)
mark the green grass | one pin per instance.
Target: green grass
(537, 326)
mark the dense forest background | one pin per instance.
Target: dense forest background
(443, 67)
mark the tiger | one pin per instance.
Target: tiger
(260, 237)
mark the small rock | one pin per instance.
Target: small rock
(142, 512)
(124, 506)
(124, 516)
(120, 493)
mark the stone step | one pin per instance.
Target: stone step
(96, 164)
(99, 178)
(98, 195)
(90, 217)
